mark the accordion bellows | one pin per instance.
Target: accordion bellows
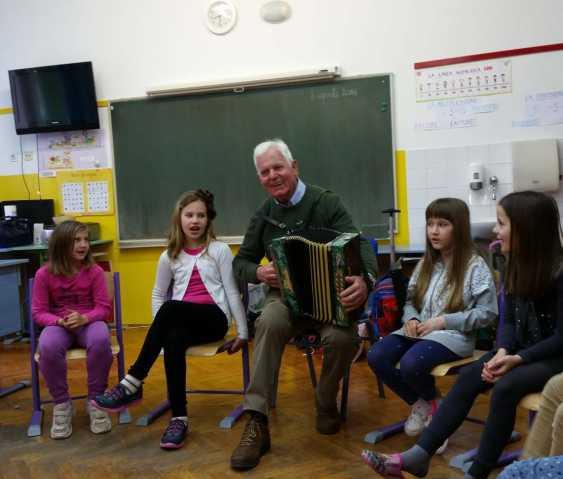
(312, 265)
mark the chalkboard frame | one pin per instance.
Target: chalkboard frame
(324, 93)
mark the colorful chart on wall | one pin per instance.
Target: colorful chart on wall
(86, 192)
(72, 150)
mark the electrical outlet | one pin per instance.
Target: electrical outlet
(28, 156)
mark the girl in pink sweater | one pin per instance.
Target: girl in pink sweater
(71, 303)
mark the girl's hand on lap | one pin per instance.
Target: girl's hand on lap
(410, 328)
(505, 364)
(75, 320)
(433, 324)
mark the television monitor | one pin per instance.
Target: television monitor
(54, 98)
(36, 211)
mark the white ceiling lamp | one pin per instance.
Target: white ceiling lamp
(276, 11)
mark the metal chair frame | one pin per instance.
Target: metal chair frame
(34, 428)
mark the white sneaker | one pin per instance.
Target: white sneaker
(100, 421)
(418, 418)
(62, 421)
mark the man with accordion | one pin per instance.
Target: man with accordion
(319, 273)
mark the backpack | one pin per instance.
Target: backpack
(386, 303)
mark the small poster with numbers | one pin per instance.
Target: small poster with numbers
(98, 196)
(73, 198)
(86, 192)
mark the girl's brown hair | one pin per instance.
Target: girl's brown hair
(535, 243)
(457, 213)
(61, 245)
(176, 238)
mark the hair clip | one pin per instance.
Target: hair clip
(206, 194)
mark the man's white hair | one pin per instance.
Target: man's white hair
(276, 143)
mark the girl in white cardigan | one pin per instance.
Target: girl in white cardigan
(197, 270)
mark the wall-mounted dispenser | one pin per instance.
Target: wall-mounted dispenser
(476, 173)
(535, 165)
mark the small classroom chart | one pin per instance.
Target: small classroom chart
(490, 77)
(86, 192)
(73, 198)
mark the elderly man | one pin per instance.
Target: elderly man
(292, 205)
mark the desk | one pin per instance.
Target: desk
(39, 251)
(400, 250)
(11, 312)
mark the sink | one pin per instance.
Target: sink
(483, 228)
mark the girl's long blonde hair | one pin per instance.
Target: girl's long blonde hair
(176, 237)
(457, 213)
(61, 245)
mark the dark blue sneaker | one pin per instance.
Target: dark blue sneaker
(117, 399)
(174, 435)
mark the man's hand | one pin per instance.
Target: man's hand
(74, 320)
(410, 328)
(433, 324)
(355, 294)
(267, 274)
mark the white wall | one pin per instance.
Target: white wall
(138, 43)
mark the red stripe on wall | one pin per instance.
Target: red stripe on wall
(488, 56)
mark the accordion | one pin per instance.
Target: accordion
(311, 266)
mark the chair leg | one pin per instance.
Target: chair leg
(309, 351)
(463, 461)
(378, 435)
(14, 388)
(344, 395)
(228, 421)
(124, 417)
(154, 414)
(34, 428)
(274, 391)
(380, 388)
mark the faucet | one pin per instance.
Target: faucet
(493, 183)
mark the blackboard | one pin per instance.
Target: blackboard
(340, 134)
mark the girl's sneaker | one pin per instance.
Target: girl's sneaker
(421, 411)
(174, 435)
(62, 421)
(385, 466)
(100, 421)
(117, 399)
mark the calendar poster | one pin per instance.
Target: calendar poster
(86, 192)
(489, 77)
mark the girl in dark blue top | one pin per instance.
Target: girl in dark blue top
(530, 349)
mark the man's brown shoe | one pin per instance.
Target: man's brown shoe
(328, 422)
(254, 443)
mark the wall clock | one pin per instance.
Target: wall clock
(220, 16)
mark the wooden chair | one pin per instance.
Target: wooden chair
(208, 350)
(112, 279)
(441, 370)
